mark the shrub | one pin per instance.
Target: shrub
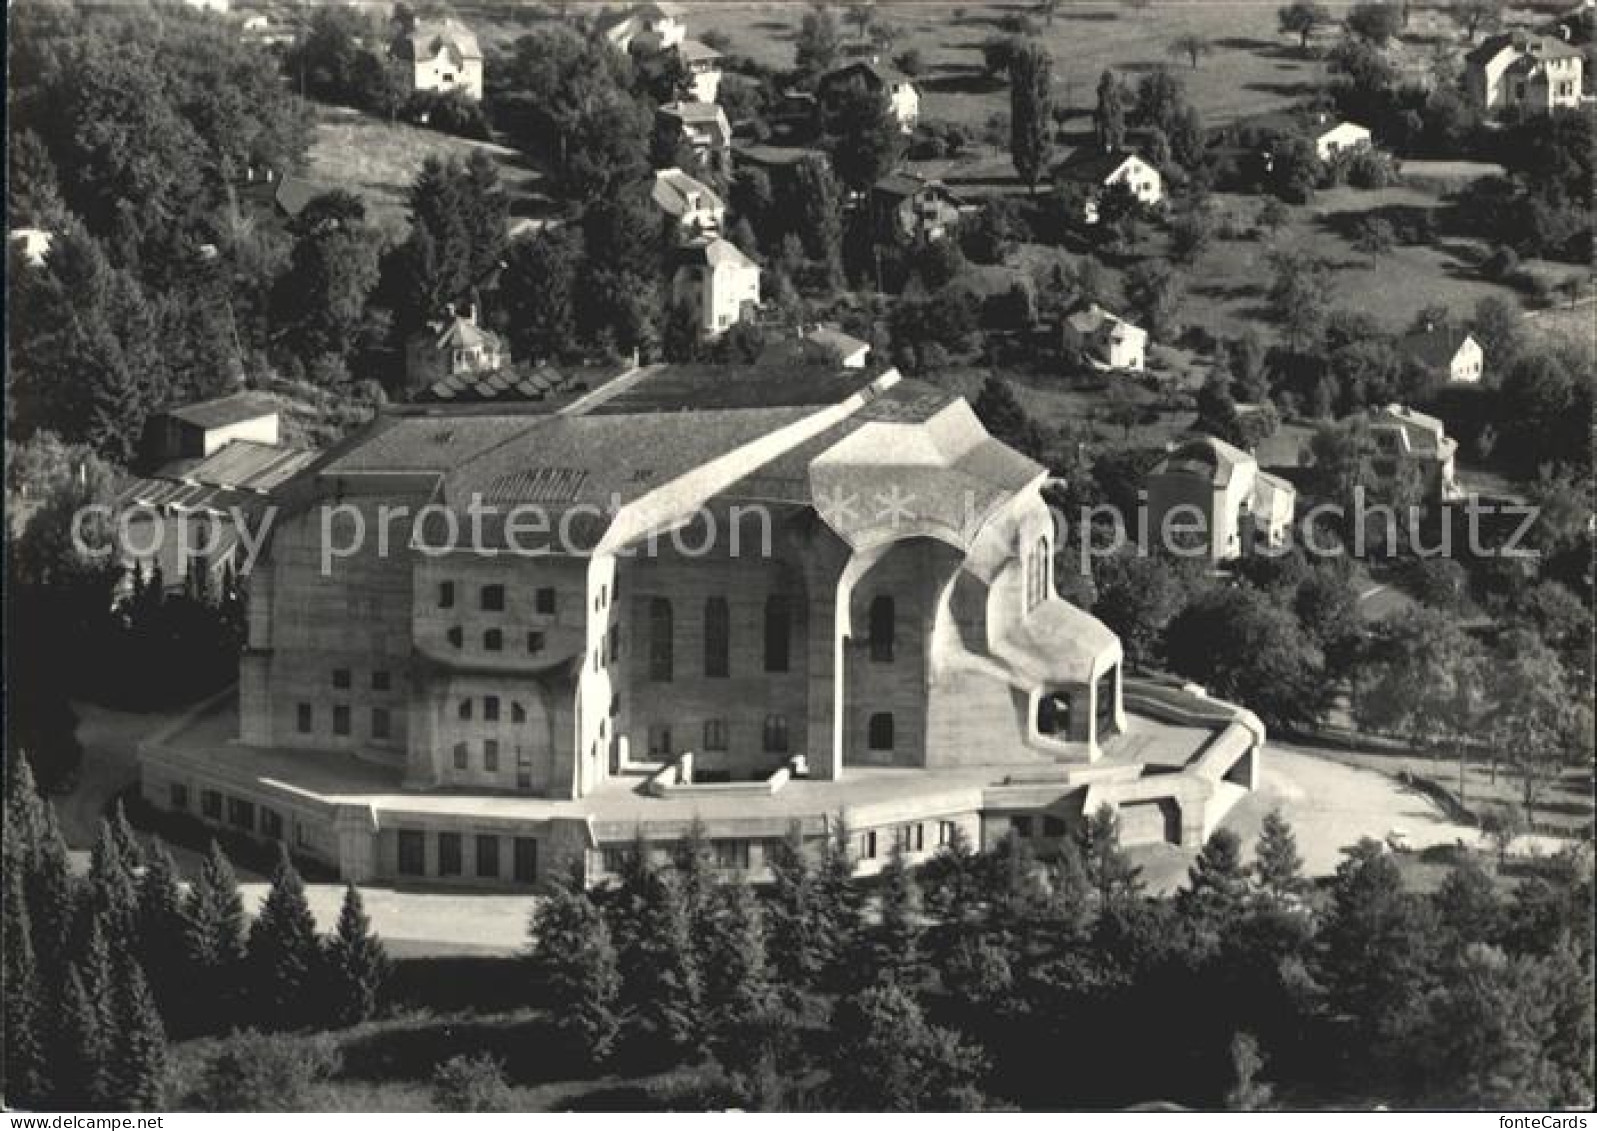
(255, 1072)
(1371, 169)
(472, 1084)
(449, 112)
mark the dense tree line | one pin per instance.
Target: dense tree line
(101, 969)
(953, 986)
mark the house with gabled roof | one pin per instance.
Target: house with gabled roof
(694, 205)
(645, 28)
(1409, 442)
(902, 94)
(718, 281)
(906, 206)
(1095, 170)
(1107, 340)
(440, 55)
(1449, 352)
(451, 347)
(1518, 69)
(703, 127)
(1210, 494)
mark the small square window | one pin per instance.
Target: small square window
(493, 598)
(534, 643)
(341, 679)
(341, 719)
(493, 640)
(544, 601)
(490, 708)
(446, 594)
(303, 718)
(380, 681)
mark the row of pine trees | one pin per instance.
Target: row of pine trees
(101, 970)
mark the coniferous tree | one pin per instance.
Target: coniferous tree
(1112, 875)
(691, 859)
(78, 1053)
(797, 941)
(215, 915)
(163, 931)
(576, 963)
(357, 963)
(284, 953)
(839, 902)
(887, 1057)
(898, 936)
(126, 840)
(136, 1043)
(1277, 867)
(1109, 118)
(1216, 893)
(660, 968)
(113, 895)
(25, 1081)
(1031, 119)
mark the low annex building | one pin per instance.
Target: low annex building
(762, 598)
(1231, 507)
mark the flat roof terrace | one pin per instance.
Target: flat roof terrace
(205, 743)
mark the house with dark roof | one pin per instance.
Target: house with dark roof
(439, 55)
(694, 205)
(702, 593)
(1518, 69)
(906, 206)
(1449, 352)
(1095, 170)
(1107, 340)
(452, 347)
(645, 28)
(900, 89)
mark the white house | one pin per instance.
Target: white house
(1340, 137)
(1452, 353)
(1097, 170)
(451, 347)
(705, 128)
(34, 243)
(1405, 438)
(718, 281)
(1109, 341)
(689, 201)
(440, 55)
(1220, 487)
(646, 28)
(703, 63)
(1537, 72)
(901, 92)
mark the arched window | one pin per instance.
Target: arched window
(778, 632)
(717, 637)
(661, 654)
(883, 627)
(880, 731)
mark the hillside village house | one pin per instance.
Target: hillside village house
(1096, 170)
(1108, 341)
(718, 281)
(1333, 139)
(705, 129)
(1519, 69)
(905, 206)
(704, 66)
(645, 28)
(198, 430)
(696, 207)
(440, 55)
(902, 95)
(891, 655)
(1413, 443)
(1449, 352)
(1240, 508)
(452, 346)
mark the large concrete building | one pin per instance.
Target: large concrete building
(741, 596)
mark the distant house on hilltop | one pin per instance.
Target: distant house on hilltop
(440, 55)
(451, 347)
(718, 281)
(1518, 69)
(1095, 170)
(1447, 351)
(1109, 341)
(645, 28)
(900, 89)
(690, 202)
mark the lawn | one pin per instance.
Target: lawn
(379, 160)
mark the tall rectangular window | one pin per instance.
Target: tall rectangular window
(380, 723)
(341, 719)
(776, 739)
(449, 854)
(462, 755)
(659, 741)
(883, 628)
(303, 718)
(490, 755)
(488, 857)
(778, 632)
(661, 644)
(412, 853)
(526, 860)
(490, 708)
(211, 804)
(717, 638)
(180, 795)
(446, 594)
(715, 734)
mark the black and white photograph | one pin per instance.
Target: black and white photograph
(772, 556)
